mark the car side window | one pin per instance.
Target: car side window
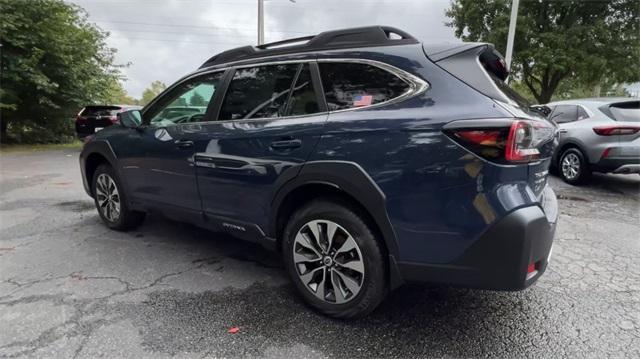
(258, 92)
(565, 113)
(582, 114)
(186, 103)
(303, 99)
(352, 85)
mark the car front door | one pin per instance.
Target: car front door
(268, 123)
(171, 127)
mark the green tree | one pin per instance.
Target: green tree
(53, 63)
(197, 100)
(586, 42)
(116, 94)
(152, 91)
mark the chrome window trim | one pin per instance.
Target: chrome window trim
(416, 85)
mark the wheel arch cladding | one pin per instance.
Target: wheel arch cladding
(345, 180)
(95, 154)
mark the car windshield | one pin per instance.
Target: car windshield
(512, 94)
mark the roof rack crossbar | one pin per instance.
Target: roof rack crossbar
(336, 39)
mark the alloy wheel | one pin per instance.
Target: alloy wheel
(570, 166)
(328, 261)
(108, 197)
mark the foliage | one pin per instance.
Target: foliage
(152, 91)
(586, 43)
(117, 95)
(54, 62)
(197, 100)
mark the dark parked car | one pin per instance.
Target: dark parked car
(366, 158)
(92, 119)
(596, 135)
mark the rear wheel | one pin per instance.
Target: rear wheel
(111, 200)
(334, 259)
(573, 167)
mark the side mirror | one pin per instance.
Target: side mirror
(130, 119)
(541, 109)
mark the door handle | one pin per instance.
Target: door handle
(285, 144)
(183, 143)
(563, 130)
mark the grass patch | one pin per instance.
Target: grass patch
(11, 148)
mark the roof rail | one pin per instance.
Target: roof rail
(335, 39)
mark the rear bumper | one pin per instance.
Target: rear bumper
(617, 165)
(500, 258)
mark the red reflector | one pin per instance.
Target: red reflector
(615, 130)
(531, 268)
(605, 153)
(480, 137)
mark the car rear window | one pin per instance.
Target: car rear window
(626, 111)
(351, 85)
(100, 111)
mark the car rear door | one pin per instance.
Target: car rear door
(267, 125)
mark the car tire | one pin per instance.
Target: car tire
(354, 276)
(573, 167)
(111, 202)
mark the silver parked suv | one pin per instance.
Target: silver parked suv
(598, 134)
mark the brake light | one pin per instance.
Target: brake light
(616, 130)
(519, 143)
(113, 119)
(504, 141)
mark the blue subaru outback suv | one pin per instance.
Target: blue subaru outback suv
(364, 157)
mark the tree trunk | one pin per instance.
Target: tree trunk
(3, 129)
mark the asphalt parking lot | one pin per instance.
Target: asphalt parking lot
(69, 287)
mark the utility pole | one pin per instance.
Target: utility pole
(512, 32)
(260, 22)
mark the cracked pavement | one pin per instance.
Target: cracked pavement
(69, 287)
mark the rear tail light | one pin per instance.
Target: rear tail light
(616, 130)
(505, 141)
(113, 119)
(80, 119)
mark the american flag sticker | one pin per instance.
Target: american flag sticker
(362, 100)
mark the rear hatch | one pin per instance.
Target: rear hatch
(627, 127)
(484, 69)
(93, 118)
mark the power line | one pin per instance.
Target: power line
(174, 32)
(180, 41)
(190, 26)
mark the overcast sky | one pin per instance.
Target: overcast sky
(166, 39)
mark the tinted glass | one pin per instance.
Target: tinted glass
(186, 103)
(565, 113)
(303, 99)
(582, 114)
(258, 92)
(626, 112)
(349, 85)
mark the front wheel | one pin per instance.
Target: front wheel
(334, 259)
(573, 167)
(111, 200)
